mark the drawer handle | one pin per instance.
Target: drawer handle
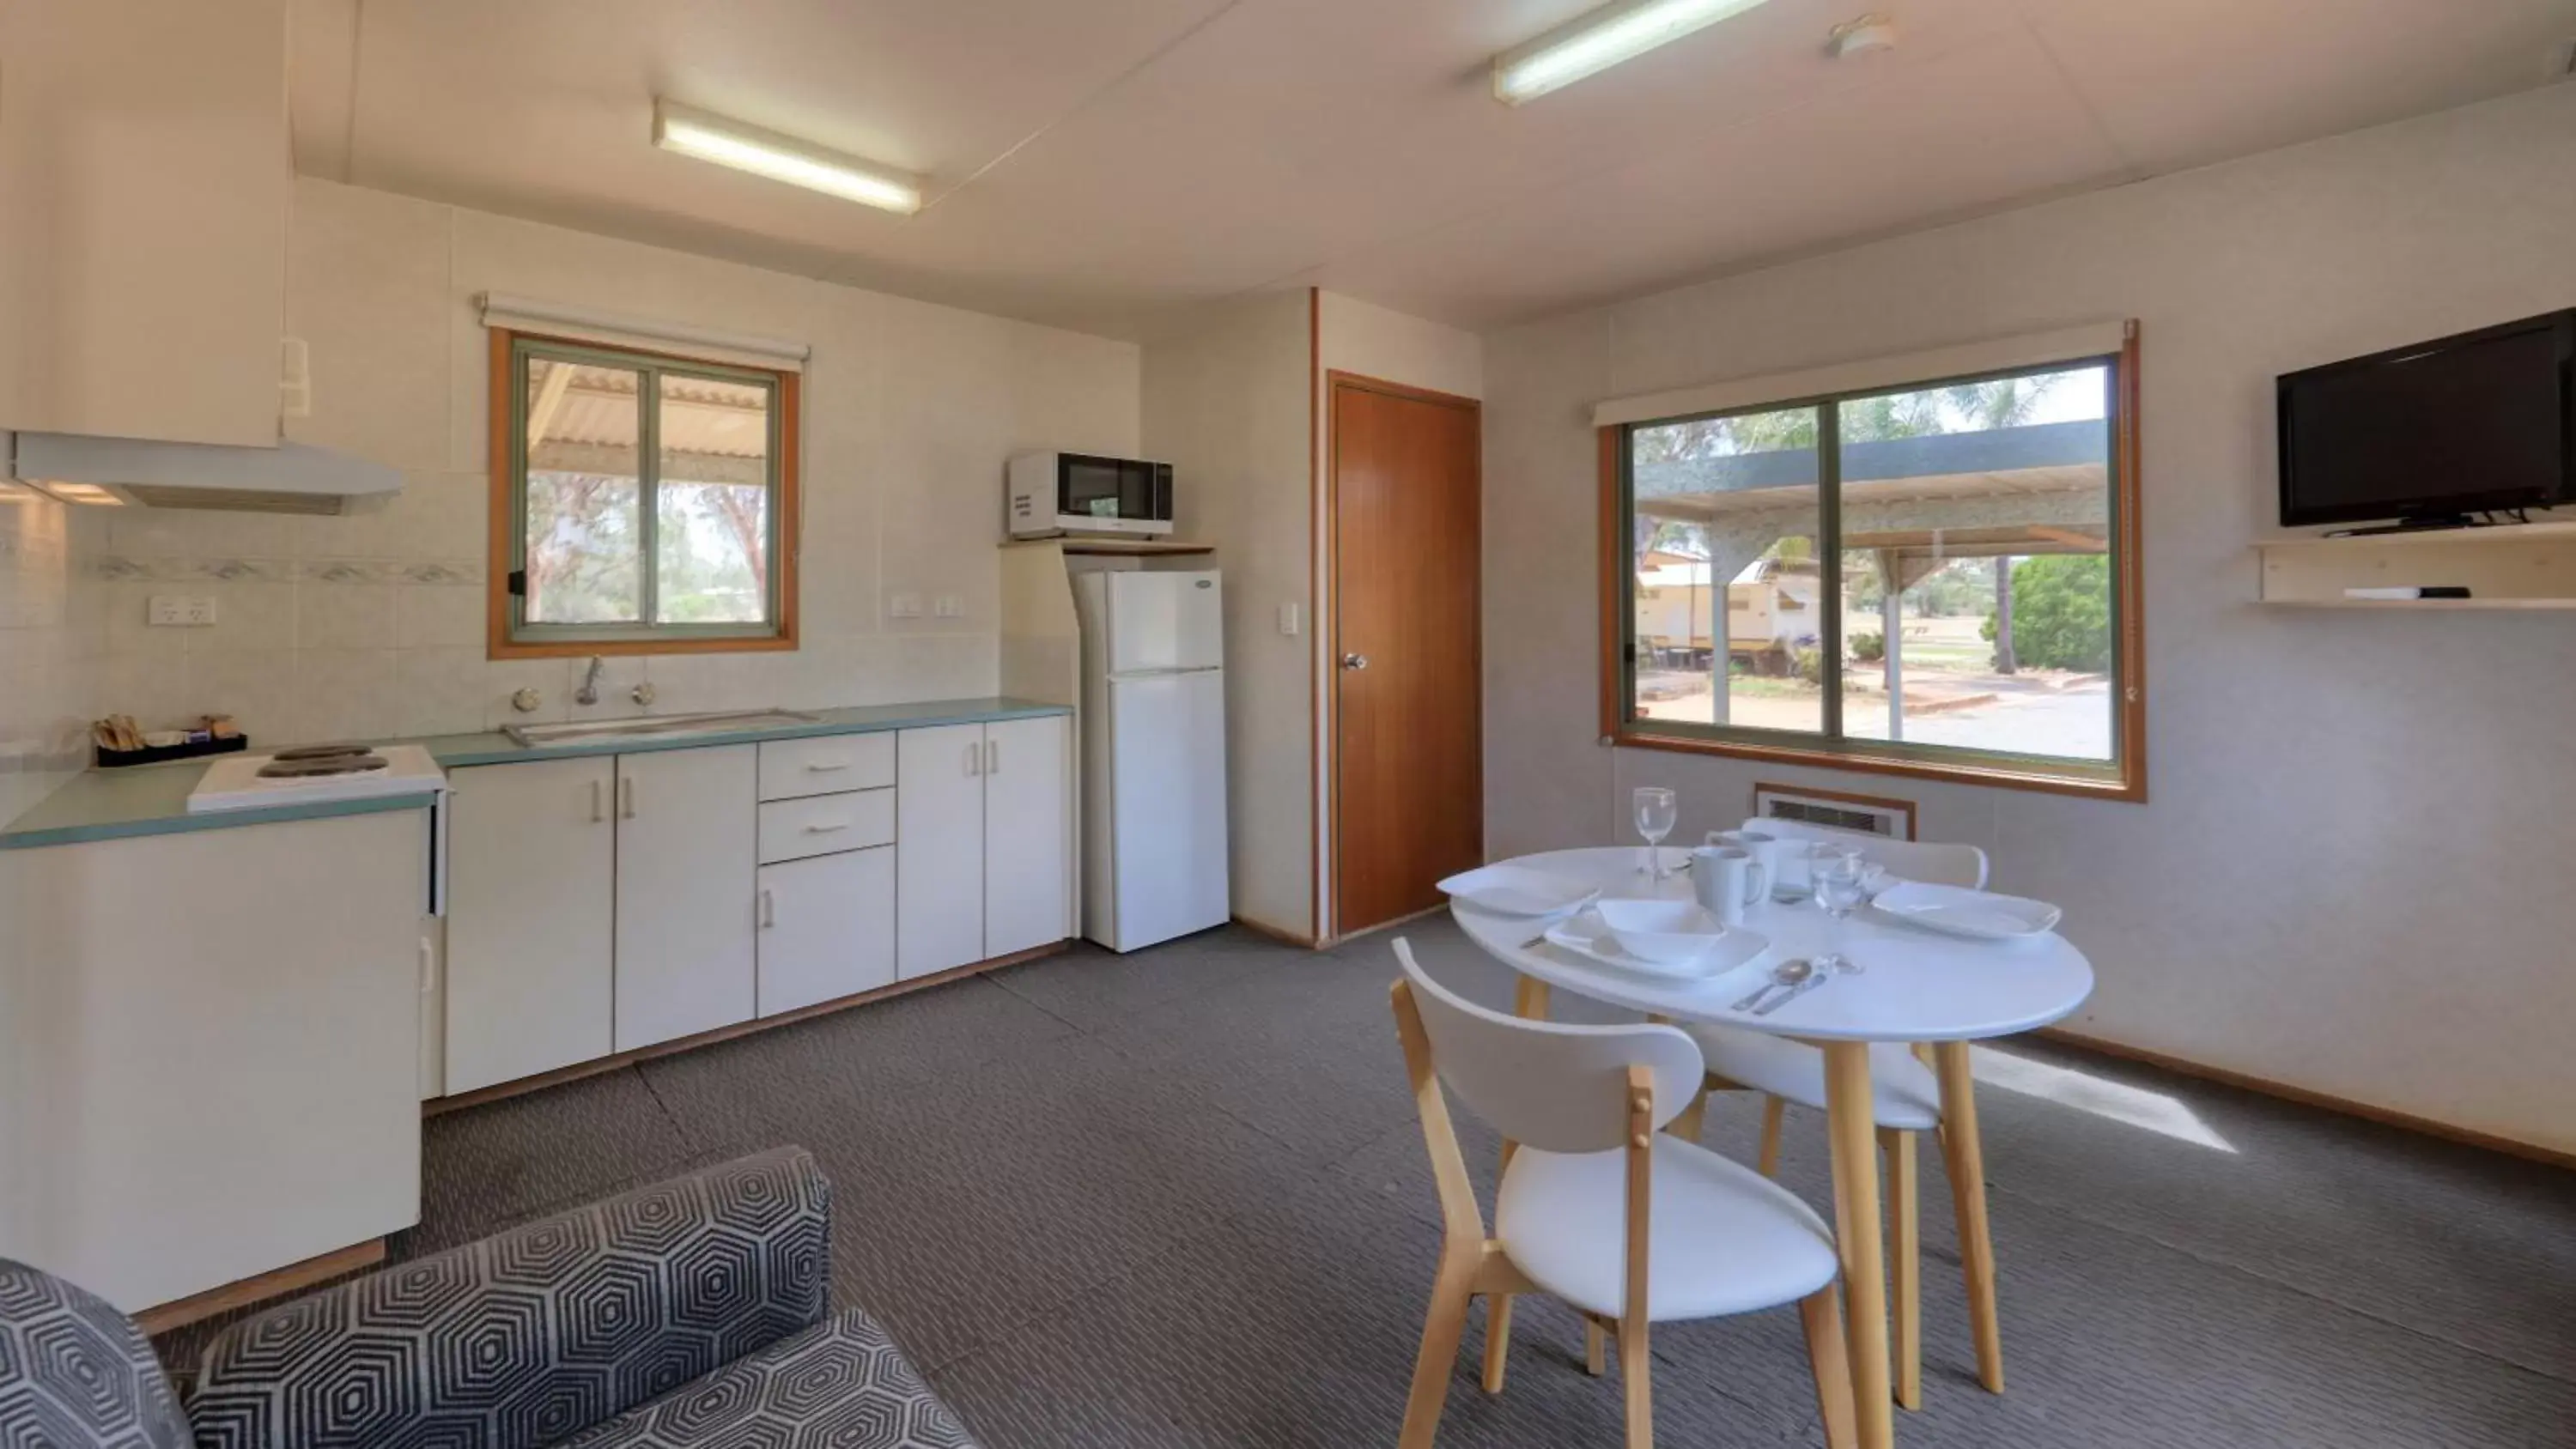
(826, 829)
(819, 768)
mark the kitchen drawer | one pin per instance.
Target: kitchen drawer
(795, 829)
(826, 765)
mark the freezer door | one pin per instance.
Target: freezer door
(1160, 621)
(1168, 833)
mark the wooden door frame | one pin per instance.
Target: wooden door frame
(1328, 633)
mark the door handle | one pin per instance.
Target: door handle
(1355, 661)
(626, 796)
(768, 910)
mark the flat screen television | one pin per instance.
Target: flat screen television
(2433, 433)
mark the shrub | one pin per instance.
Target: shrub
(1811, 665)
(1869, 648)
(2061, 606)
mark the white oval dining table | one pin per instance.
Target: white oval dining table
(1915, 987)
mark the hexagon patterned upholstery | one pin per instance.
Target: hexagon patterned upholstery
(707, 1288)
(75, 1374)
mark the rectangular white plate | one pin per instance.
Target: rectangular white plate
(1958, 911)
(1517, 890)
(1586, 936)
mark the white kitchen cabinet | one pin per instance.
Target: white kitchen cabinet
(530, 981)
(939, 848)
(144, 190)
(210, 1047)
(1027, 828)
(983, 836)
(826, 928)
(687, 841)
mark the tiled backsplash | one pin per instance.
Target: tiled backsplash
(47, 658)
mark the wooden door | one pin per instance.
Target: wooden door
(532, 855)
(939, 849)
(687, 847)
(1408, 770)
(1027, 851)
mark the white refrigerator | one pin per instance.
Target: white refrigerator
(1153, 744)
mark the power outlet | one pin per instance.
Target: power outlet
(949, 606)
(181, 611)
(904, 606)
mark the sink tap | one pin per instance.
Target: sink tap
(589, 691)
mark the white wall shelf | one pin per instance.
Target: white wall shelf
(2513, 566)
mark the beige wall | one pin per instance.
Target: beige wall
(2352, 875)
(371, 625)
(1225, 404)
(1372, 341)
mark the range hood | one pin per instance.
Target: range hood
(289, 478)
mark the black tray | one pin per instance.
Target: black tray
(154, 754)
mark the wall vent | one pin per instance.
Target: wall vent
(1891, 818)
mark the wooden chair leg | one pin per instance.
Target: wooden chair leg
(1965, 1157)
(1634, 1382)
(1905, 1264)
(1773, 1110)
(1822, 1314)
(1596, 1347)
(1498, 1339)
(1442, 1330)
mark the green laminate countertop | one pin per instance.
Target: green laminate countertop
(153, 799)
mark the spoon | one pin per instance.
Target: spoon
(1790, 974)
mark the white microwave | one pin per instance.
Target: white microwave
(1058, 493)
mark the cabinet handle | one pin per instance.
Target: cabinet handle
(768, 910)
(826, 829)
(597, 812)
(974, 760)
(626, 796)
(428, 968)
(992, 757)
(819, 768)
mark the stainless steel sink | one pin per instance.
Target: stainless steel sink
(656, 727)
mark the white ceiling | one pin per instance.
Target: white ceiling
(1108, 164)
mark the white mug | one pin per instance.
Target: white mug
(1726, 879)
(1769, 853)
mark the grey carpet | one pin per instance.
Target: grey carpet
(1179, 1198)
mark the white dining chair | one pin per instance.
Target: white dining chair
(1598, 1207)
(1906, 1100)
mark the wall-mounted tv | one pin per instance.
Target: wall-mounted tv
(2432, 434)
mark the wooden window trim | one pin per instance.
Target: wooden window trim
(504, 521)
(1875, 757)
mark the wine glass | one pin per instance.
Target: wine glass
(1656, 812)
(1840, 877)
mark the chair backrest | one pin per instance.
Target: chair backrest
(1932, 862)
(1555, 1087)
(77, 1374)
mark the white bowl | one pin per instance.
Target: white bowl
(1667, 932)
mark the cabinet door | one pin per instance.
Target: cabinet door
(1026, 853)
(144, 187)
(939, 845)
(686, 845)
(529, 921)
(826, 928)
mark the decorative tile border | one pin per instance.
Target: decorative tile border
(115, 568)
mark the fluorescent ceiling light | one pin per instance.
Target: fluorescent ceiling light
(782, 158)
(1601, 39)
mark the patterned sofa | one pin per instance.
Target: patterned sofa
(690, 1312)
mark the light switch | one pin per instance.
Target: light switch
(904, 606)
(1288, 618)
(949, 606)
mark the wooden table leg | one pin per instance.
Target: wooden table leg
(1964, 1155)
(1852, 1126)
